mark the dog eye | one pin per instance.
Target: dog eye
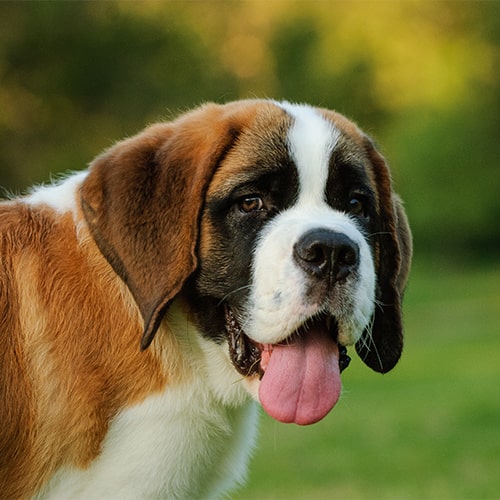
(251, 204)
(357, 207)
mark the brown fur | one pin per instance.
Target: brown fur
(69, 334)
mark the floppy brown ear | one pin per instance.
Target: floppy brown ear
(381, 344)
(142, 201)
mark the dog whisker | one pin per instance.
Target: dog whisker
(379, 233)
(232, 292)
(379, 304)
(367, 341)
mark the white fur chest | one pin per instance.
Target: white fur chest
(179, 444)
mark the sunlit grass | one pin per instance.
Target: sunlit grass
(429, 429)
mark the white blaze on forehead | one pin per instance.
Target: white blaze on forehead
(311, 140)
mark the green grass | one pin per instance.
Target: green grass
(429, 429)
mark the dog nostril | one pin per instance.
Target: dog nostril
(315, 254)
(322, 252)
(345, 261)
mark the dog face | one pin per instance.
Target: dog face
(278, 227)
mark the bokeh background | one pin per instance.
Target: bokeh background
(423, 78)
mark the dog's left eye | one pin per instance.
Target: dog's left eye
(251, 204)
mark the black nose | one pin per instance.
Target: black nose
(322, 253)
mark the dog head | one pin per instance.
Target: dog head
(278, 225)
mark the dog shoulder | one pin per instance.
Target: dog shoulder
(64, 316)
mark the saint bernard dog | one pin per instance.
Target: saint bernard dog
(226, 257)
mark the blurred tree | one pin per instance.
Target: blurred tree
(76, 75)
(448, 152)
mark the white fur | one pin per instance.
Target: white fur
(311, 141)
(278, 304)
(61, 196)
(191, 441)
(175, 445)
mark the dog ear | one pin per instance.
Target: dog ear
(142, 201)
(381, 344)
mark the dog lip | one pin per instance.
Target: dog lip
(251, 358)
(245, 354)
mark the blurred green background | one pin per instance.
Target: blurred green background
(423, 78)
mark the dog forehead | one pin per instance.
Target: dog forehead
(284, 135)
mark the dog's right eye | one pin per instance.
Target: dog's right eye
(251, 204)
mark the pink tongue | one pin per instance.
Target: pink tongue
(301, 383)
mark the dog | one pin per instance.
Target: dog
(225, 257)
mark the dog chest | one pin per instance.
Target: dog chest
(180, 444)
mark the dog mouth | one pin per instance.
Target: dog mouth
(300, 376)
